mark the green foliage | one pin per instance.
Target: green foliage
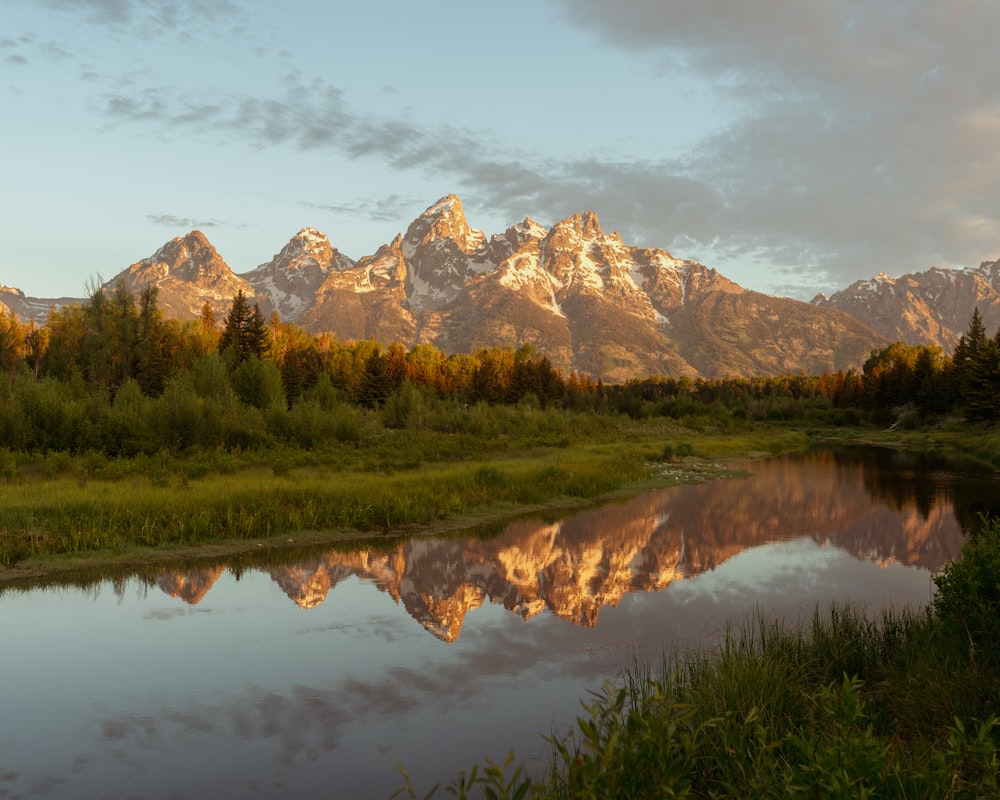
(182, 419)
(245, 332)
(376, 381)
(210, 380)
(968, 596)
(129, 430)
(492, 783)
(409, 407)
(258, 383)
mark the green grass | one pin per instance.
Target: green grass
(57, 504)
(949, 437)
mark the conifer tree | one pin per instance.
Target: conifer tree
(245, 333)
(154, 359)
(976, 368)
(376, 382)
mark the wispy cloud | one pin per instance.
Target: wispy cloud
(390, 208)
(172, 221)
(168, 14)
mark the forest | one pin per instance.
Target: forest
(113, 375)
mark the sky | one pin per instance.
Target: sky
(794, 146)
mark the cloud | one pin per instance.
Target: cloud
(382, 209)
(314, 116)
(168, 14)
(863, 137)
(188, 223)
(864, 142)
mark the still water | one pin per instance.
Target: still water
(317, 677)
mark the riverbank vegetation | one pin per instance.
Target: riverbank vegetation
(121, 428)
(904, 706)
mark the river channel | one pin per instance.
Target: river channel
(314, 678)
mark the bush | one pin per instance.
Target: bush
(968, 598)
(258, 383)
(210, 380)
(408, 407)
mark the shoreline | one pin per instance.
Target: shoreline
(86, 567)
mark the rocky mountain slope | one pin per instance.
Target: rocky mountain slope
(578, 294)
(14, 301)
(932, 307)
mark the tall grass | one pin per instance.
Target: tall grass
(80, 508)
(320, 466)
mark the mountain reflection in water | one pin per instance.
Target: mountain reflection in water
(236, 692)
(880, 511)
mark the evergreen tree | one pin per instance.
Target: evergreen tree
(976, 369)
(155, 356)
(207, 317)
(376, 381)
(245, 333)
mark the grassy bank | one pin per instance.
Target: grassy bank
(846, 706)
(381, 479)
(948, 437)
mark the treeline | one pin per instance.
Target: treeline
(900, 384)
(118, 337)
(114, 375)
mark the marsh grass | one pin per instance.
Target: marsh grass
(452, 462)
(159, 502)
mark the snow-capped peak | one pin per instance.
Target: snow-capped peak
(448, 203)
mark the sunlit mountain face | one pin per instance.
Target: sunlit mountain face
(931, 307)
(575, 567)
(581, 296)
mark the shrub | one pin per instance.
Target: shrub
(258, 383)
(968, 598)
(408, 407)
(210, 380)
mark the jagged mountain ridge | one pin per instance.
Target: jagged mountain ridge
(14, 301)
(582, 296)
(931, 307)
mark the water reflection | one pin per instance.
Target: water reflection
(875, 506)
(215, 683)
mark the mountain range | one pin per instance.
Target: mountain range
(583, 297)
(932, 307)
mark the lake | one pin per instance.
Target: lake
(317, 676)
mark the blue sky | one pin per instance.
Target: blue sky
(795, 147)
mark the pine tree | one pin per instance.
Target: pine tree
(976, 366)
(154, 365)
(207, 318)
(245, 333)
(376, 382)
